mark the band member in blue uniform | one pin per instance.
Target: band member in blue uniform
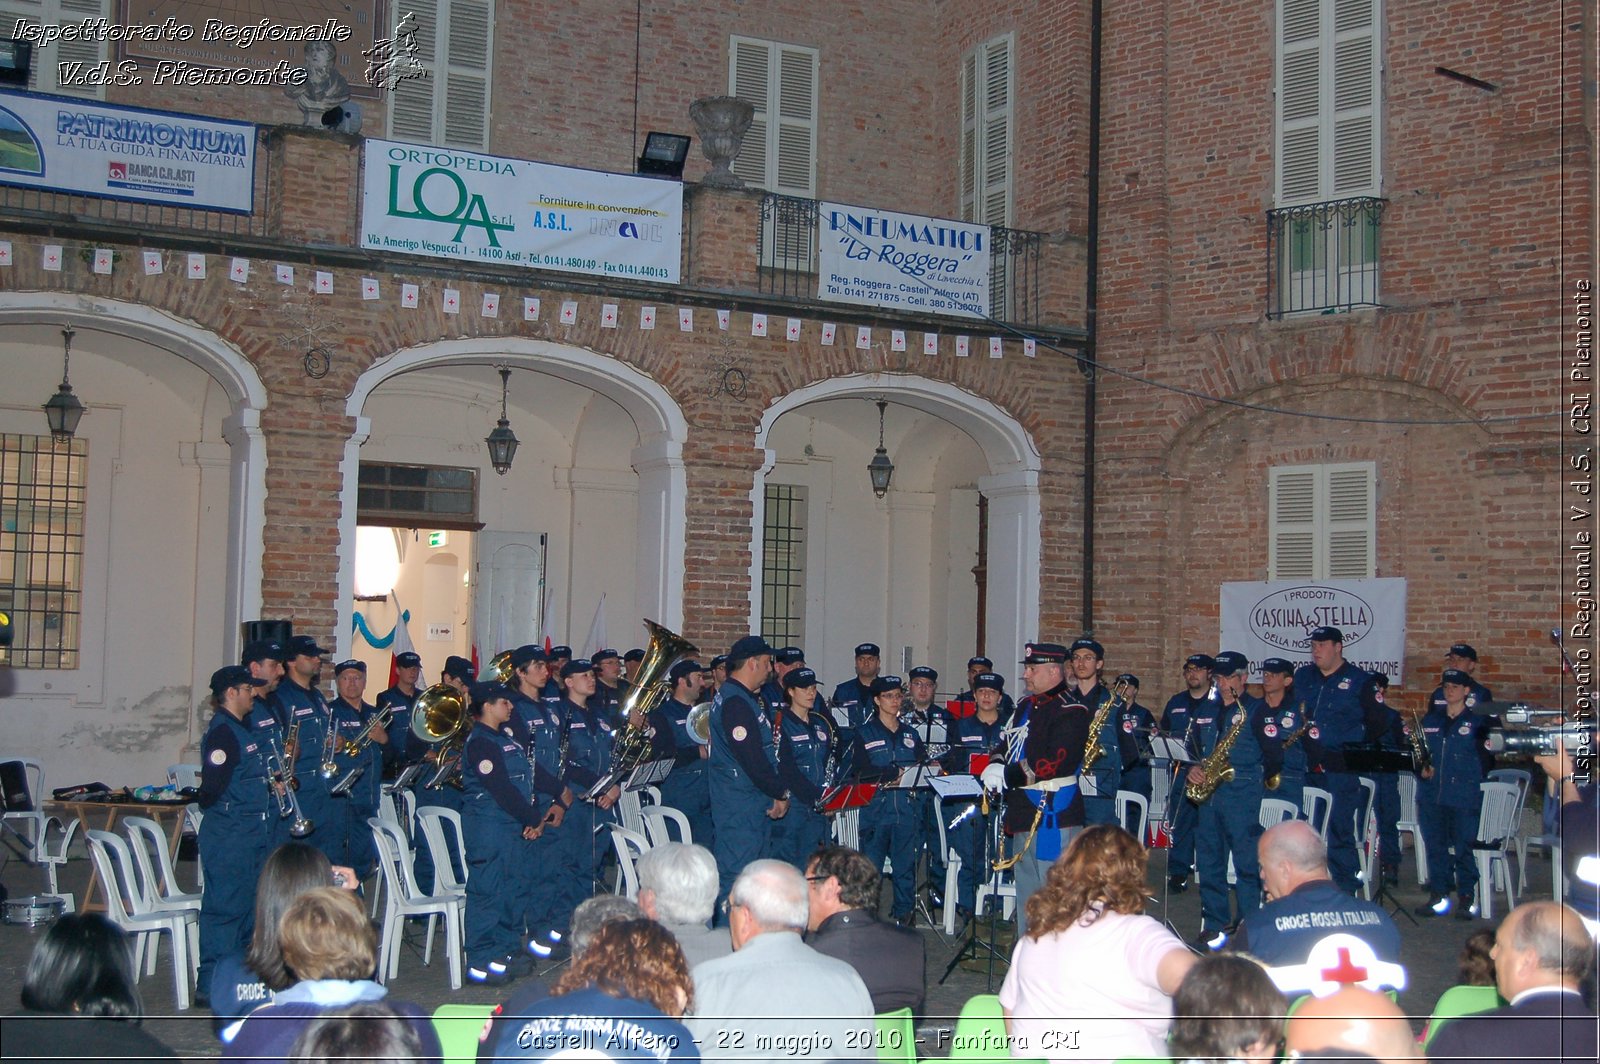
(935, 727)
(785, 661)
(1463, 658)
(980, 664)
(1045, 745)
(498, 821)
(1448, 799)
(359, 800)
(589, 739)
(307, 715)
(981, 734)
(852, 700)
(608, 692)
(1277, 696)
(747, 794)
(888, 748)
(1329, 694)
(537, 725)
(1386, 730)
(805, 749)
(241, 813)
(432, 788)
(1176, 716)
(688, 787)
(1229, 821)
(1135, 722)
(1102, 780)
(264, 659)
(559, 656)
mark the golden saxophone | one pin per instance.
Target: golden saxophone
(1093, 751)
(1216, 767)
(1272, 781)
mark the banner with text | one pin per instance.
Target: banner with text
(456, 204)
(902, 261)
(126, 153)
(1274, 619)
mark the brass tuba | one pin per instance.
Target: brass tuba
(698, 723)
(499, 669)
(440, 713)
(649, 689)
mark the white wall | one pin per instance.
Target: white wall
(155, 560)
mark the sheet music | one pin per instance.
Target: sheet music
(962, 786)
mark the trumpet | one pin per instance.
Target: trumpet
(352, 747)
(281, 781)
(330, 745)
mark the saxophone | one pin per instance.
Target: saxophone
(1093, 751)
(1218, 770)
(1272, 781)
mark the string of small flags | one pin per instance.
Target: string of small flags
(194, 267)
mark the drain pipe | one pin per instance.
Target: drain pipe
(1091, 310)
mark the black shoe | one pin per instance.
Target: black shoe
(1208, 941)
(935, 897)
(518, 965)
(905, 919)
(1391, 877)
(489, 976)
(1178, 884)
(1436, 905)
(202, 1001)
(1466, 907)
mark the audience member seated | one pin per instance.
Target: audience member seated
(80, 997)
(373, 1032)
(588, 918)
(329, 944)
(620, 1000)
(1226, 1009)
(774, 997)
(1475, 965)
(1542, 952)
(1351, 1024)
(678, 887)
(1306, 906)
(1090, 960)
(843, 896)
(241, 982)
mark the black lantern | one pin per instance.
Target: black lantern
(880, 469)
(502, 441)
(64, 411)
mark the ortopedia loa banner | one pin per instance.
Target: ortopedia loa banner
(1274, 619)
(456, 204)
(904, 261)
(126, 153)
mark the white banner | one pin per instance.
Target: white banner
(904, 261)
(1274, 619)
(456, 204)
(126, 153)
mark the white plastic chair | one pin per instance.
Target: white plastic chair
(129, 908)
(403, 899)
(181, 776)
(1411, 824)
(149, 844)
(1497, 825)
(1276, 811)
(1133, 813)
(192, 815)
(629, 807)
(659, 820)
(1160, 791)
(952, 868)
(847, 828)
(48, 838)
(436, 821)
(1318, 805)
(1367, 834)
(630, 846)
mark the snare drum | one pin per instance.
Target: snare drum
(33, 910)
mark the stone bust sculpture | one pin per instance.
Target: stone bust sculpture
(324, 87)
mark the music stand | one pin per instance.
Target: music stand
(651, 772)
(1176, 751)
(1365, 760)
(971, 943)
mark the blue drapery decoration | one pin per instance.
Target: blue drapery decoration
(358, 623)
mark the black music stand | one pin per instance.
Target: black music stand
(970, 942)
(1368, 760)
(1177, 752)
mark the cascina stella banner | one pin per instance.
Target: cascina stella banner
(453, 204)
(1274, 619)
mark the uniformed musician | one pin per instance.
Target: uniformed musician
(1463, 658)
(1448, 798)
(1277, 695)
(980, 664)
(1229, 822)
(1386, 730)
(747, 795)
(687, 788)
(354, 716)
(806, 740)
(589, 737)
(238, 830)
(1329, 694)
(307, 714)
(1102, 780)
(983, 735)
(887, 746)
(608, 693)
(536, 724)
(264, 659)
(404, 746)
(1176, 716)
(784, 661)
(559, 656)
(852, 700)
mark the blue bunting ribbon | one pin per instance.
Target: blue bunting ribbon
(359, 624)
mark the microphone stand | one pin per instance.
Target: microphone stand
(970, 942)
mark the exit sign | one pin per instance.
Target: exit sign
(438, 539)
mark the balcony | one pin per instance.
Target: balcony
(1322, 258)
(741, 248)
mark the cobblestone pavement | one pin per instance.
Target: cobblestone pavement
(1431, 947)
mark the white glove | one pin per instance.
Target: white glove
(994, 777)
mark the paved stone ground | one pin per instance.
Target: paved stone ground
(1430, 957)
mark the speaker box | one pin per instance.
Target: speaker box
(277, 631)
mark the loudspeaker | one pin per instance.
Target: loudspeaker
(276, 631)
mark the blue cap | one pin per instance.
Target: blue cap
(1043, 654)
(868, 649)
(526, 653)
(604, 655)
(349, 663)
(1458, 676)
(230, 676)
(575, 666)
(1281, 666)
(1229, 662)
(801, 677)
(1462, 650)
(686, 667)
(408, 659)
(791, 656)
(560, 652)
(489, 691)
(1128, 678)
(635, 654)
(922, 672)
(1200, 661)
(302, 644)
(886, 683)
(992, 680)
(750, 646)
(262, 650)
(718, 662)
(1087, 644)
(1326, 634)
(980, 661)
(457, 666)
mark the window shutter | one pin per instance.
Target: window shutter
(1351, 521)
(1328, 95)
(969, 137)
(1355, 95)
(749, 71)
(986, 94)
(780, 82)
(45, 73)
(451, 105)
(1292, 547)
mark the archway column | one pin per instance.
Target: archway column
(910, 590)
(661, 530)
(1012, 613)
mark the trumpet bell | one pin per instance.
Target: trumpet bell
(698, 723)
(439, 714)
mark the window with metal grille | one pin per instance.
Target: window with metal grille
(41, 547)
(783, 566)
(417, 496)
(1324, 522)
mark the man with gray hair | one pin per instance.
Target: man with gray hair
(594, 913)
(822, 1010)
(678, 889)
(1542, 951)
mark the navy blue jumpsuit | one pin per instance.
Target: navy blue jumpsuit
(497, 784)
(891, 824)
(1333, 705)
(744, 781)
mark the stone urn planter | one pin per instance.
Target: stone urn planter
(722, 122)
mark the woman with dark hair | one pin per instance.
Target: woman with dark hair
(80, 973)
(1226, 1009)
(245, 981)
(374, 1032)
(328, 942)
(632, 978)
(1093, 977)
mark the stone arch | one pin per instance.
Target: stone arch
(1012, 486)
(658, 458)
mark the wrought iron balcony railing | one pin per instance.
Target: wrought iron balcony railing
(1323, 257)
